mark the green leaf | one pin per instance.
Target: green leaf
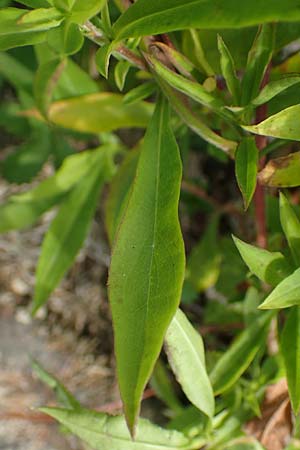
(162, 384)
(100, 112)
(276, 125)
(22, 27)
(46, 79)
(147, 266)
(103, 432)
(28, 159)
(281, 172)
(203, 265)
(35, 3)
(190, 88)
(83, 10)
(229, 71)
(156, 17)
(118, 195)
(246, 160)
(16, 73)
(286, 293)
(291, 227)
(274, 88)
(68, 230)
(62, 394)
(139, 93)
(194, 122)
(66, 40)
(120, 74)
(103, 58)
(270, 267)
(185, 350)
(290, 351)
(239, 355)
(259, 57)
(24, 209)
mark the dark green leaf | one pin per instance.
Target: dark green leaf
(162, 384)
(246, 160)
(185, 352)
(155, 17)
(147, 267)
(290, 351)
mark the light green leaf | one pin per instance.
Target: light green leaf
(283, 125)
(147, 266)
(66, 40)
(68, 230)
(270, 267)
(246, 160)
(24, 209)
(103, 58)
(282, 172)
(119, 192)
(62, 394)
(190, 88)
(22, 27)
(239, 355)
(286, 293)
(274, 88)
(185, 350)
(46, 79)
(100, 112)
(291, 227)
(83, 10)
(162, 16)
(103, 432)
(36, 3)
(229, 71)
(139, 93)
(120, 74)
(290, 351)
(203, 265)
(259, 57)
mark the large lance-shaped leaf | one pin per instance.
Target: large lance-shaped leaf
(147, 267)
(290, 350)
(103, 432)
(97, 113)
(22, 27)
(282, 172)
(246, 159)
(270, 267)
(291, 227)
(68, 230)
(240, 354)
(185, 352)
(283, 125)
(160, 16)
(287, 293)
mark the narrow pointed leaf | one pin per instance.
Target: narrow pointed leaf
(240, 354)
(185, 352)
(162, 16)
(283, 125)
(270, 267)
(287, 293)
(103, 58)
(120, 74)
(147, 266)
(246, 160)
(282, 172)
(103, 432)
(290, 351)
(46, 79)
(291, 227)
(229, 71)
(259, 57)
(139, 93)
(274, 88)
(68, 230)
